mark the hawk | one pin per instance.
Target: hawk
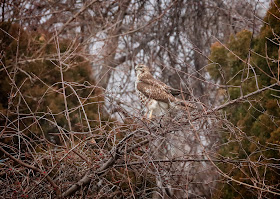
(154, 94)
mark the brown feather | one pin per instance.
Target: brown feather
(150, 80)
(148, 88)
(155, 92)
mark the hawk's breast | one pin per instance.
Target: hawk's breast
(144, 100)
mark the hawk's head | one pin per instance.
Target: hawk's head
(141, 68)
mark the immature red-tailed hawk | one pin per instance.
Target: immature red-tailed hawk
(154, 94)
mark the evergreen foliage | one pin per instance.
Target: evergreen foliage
(31, 91)
(247, 63)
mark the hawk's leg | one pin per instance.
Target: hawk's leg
(151, 114)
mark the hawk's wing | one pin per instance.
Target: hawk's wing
(154, 90)
(156, 83)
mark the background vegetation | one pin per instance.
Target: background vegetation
(71, 125)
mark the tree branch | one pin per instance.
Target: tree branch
(45, 174)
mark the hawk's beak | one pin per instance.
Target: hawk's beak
(137, 67)
(140, 67)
